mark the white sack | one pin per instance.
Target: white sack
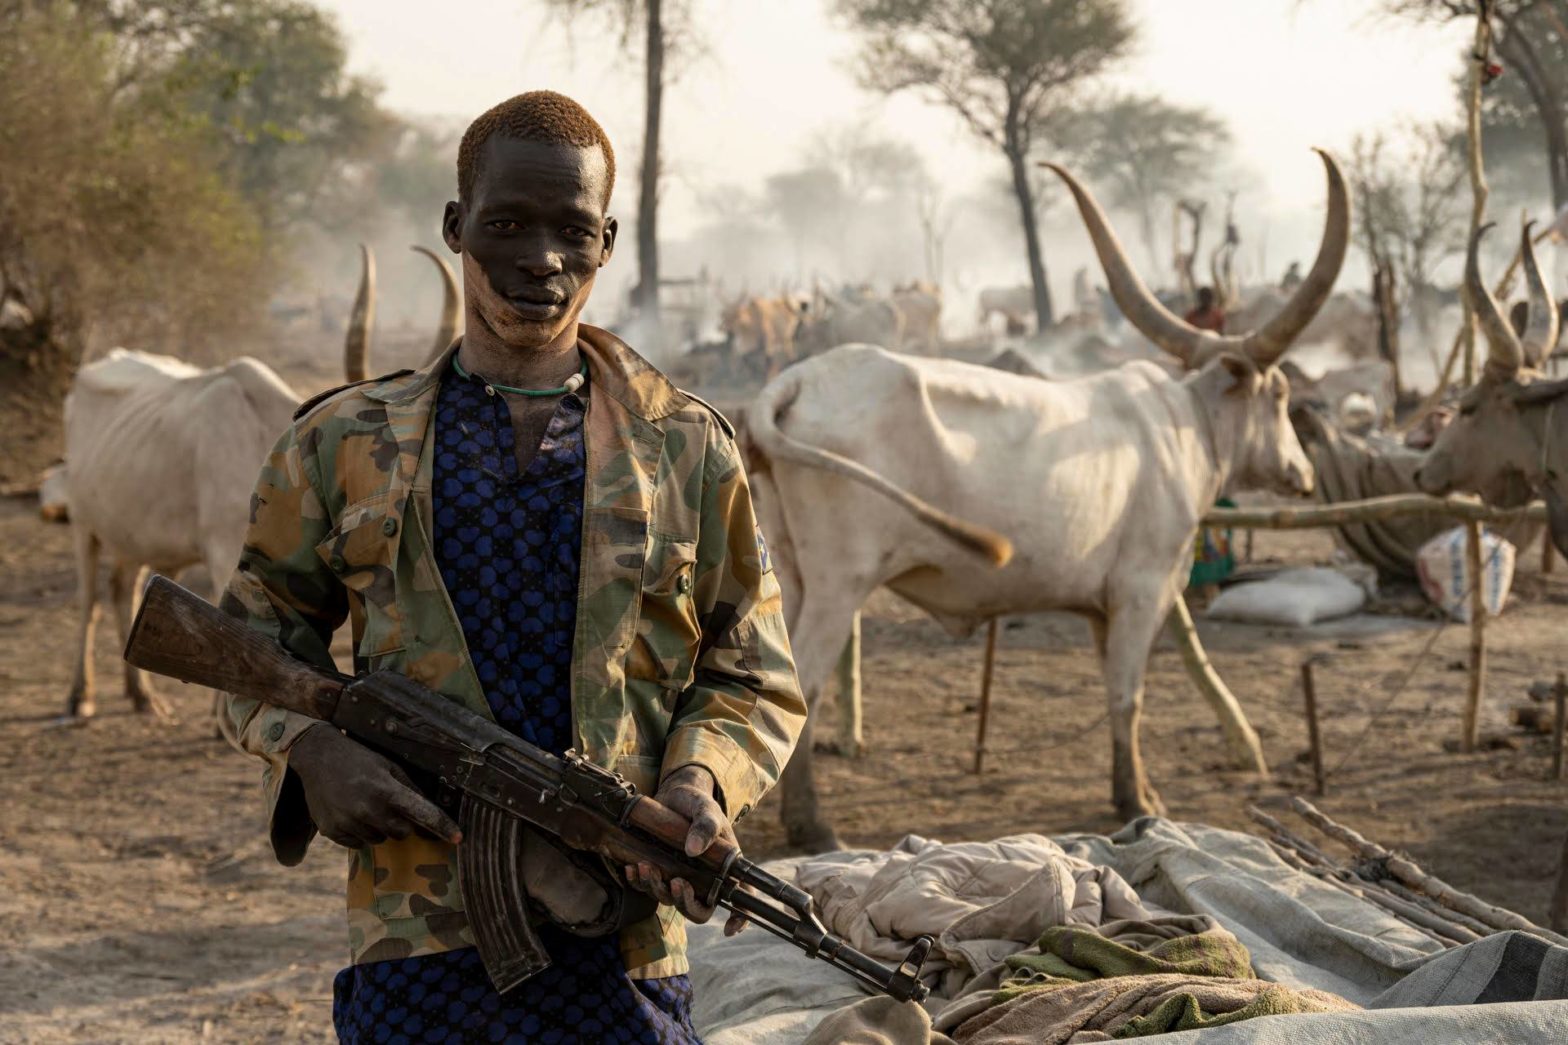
(1295, 597)
(1444, 569)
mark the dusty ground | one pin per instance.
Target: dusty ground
(141, 904)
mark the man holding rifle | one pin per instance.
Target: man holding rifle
(542, 528)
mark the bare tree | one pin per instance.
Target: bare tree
(935, 214)
(1145, 152)
(1531, 38)
(1409, 206)
(871, 172)
(810, 204)
(661, 25)
(1004, 66)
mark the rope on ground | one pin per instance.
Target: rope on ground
(1410, 672)
(1071, 738)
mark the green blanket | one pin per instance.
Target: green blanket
(1074, 955)
(1163, 975)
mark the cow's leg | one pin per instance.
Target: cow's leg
(80, 703)
(1129, 634)
(125, 585)
(817, 639)
(851, 741)
(1246, 750)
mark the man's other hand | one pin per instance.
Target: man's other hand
(359, 798)
(689, 792)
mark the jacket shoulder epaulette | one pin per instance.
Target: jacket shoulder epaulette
(724, 422)
(321, 397)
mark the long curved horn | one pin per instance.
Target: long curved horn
(1506, 355)
(1142, 309)
(451, 305)
(1268, 343)
(1540, 336)
(356, 346)
(1184, 341)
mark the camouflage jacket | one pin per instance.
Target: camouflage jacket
(680, 652)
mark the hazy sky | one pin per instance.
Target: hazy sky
(1287, 74)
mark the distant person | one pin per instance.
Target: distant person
(1292, 278)
(1207, 315)
(1519, 317)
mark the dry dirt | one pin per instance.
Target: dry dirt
(142, 904)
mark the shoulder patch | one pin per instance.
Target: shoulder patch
(321, 397)
(724, 422)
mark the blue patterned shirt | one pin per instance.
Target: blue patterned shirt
(508, 544)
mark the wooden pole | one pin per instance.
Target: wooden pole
(851, 742)
(1409, 874)
(1557, 915)
(1472, 716)
(1479, 57)
(1314, 738)
(985, 692)
(1455, 506)
(1559, 727)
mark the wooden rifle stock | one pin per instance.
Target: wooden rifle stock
(182, 635)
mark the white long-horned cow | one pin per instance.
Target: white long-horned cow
(1099, 482)
(161, 458)
(1510, 439)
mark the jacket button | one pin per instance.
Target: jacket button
(389, 527)
(275, 732)
(337, 563)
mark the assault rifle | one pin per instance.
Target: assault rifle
(500, 782)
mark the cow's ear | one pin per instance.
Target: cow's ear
(1541, 392)
(1244, 370)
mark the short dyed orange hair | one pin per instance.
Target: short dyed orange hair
(540, 116)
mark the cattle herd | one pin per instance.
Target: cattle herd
(770, 333)
(880, 461)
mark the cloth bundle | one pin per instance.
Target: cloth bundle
(1033, 945)
(982, 901)
(1127, 979)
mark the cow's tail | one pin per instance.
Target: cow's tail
(766, 436)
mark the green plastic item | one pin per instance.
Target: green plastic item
(1213, 559)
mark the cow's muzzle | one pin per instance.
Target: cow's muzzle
(1430, 481)
(1300, 480)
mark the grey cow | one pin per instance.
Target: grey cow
(1509, 442)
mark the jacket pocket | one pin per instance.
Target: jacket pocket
(668, 631)
(361, 550)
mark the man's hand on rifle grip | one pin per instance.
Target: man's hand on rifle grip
(357, 797)
(689, 792)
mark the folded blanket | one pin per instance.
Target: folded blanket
(1189, 946)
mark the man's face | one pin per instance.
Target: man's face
(533, 235)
